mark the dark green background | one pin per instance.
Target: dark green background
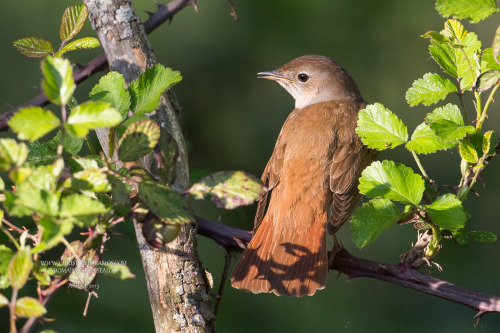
(232, 120)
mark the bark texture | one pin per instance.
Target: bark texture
(177, 283)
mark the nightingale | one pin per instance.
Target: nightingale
(316, 164)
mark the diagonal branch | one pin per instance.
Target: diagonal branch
(355, 267)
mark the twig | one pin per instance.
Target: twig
(227, 264)
(233, 10)
(354, 267)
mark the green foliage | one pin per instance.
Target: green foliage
(429, 90)
(72, 21)
(33, 47)
(82, 43)
(112, 89)
(146, 90)
(473, 10)
(138, 140)
(58, 82)
(32, 123)
(458, 53)
(369, 220)
(29, 307)
(20, 267)
(379, 128)
(92, 115)
(228, 189)
(389, 180)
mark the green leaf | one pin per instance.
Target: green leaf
(138, 140)
(429, 90)
(58, 82)
(388, 180)
(483, 236)
(52, 233)
(454, 31)
(115, 271)
(12, 154)
(473, 10)
(228, 189)
(33, 47)
(452, 59)
(495, 48)
(20, 267)
(487, 80)
(488, 61)
(425, 141)
(146, 90)
(379, 128)
(91, 179)
(33, 122)
(92, 115)
(71, 145)
(448, 124)
(72, 21)
(468, 151)
(3, 301)
(82, 43)
(81, 209)
(490, 140)
(447, 212)
(165, 203)
(119, 191)
(369, 220)
(112, 89)
(5, 257)
(29, 307)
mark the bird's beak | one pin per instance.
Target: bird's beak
(271, 75)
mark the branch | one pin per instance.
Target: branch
(355, 267)
(164, 13)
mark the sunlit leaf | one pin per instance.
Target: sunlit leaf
(82, 43)
(425, 141)
(138, 140)
(111, 89)
(447, 212)
(58, 83)
(473, 10)
(33, 47)
(72, 21)
(429, 90)
(92, 115)
(33, 122)
(19, 268)
(29, 307)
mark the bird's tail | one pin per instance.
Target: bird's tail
(285, 257)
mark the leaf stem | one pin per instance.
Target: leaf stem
(461, 98)
(480, 121)
(12, 308)
(419, 164)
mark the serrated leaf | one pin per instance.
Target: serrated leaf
(436, 37)
(379, 128)
(92, 115)
(165, 203)
(33, 122)
(487, 80)
(33, 47)
(36, 199)
(71, 145)
(52, 233)
(90, 179)
(425, 141)
(369, 220)
(82, 209)
(19, 269)
(82, 43)
(29, 307)
(146, 90)
(112, 89)
(12, 153)
(85, 271)
(459, 61)
(58, 83)
(468, 151)
(429, 90)
(138, 140)
(115, 271)
(228, 189)
(455, 31)
(483, 236)
(473, 10)
(388, 180)
(119, 191)
(488, 62)
(448, 124)
(72, 21)
(447, 212)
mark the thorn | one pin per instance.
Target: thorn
(149, 13)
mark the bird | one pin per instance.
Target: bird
(314, 168)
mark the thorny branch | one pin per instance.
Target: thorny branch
(354, 267)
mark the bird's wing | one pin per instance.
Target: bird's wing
(349, 160)
(270, 177)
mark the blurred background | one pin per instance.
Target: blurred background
(232, 120)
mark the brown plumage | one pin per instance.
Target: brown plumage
(317, 161)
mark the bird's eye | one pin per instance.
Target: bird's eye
(303, 77)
